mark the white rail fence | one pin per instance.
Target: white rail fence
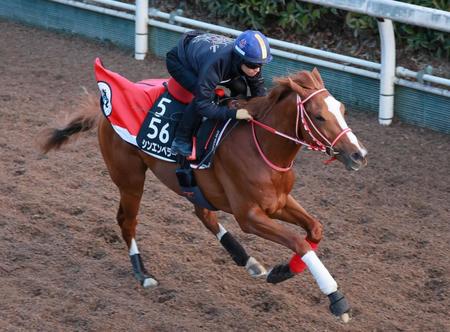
(385, 11)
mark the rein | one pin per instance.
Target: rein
(304, 117)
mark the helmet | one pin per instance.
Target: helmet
(253, 47)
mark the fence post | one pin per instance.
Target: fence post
(387, 78)
(141, 28)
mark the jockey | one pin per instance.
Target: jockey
(200, 62)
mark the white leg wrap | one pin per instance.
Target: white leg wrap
(221, 233)
(323, 278)
(133, 248)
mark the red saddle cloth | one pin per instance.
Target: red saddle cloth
(130, 102)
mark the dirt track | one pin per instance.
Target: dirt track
(63, 265)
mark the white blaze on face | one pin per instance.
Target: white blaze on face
(334, 108)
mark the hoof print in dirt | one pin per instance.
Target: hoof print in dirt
(166, 295)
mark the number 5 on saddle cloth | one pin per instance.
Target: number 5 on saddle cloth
(156, 135)
(145, 114)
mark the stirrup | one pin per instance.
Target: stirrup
(181, 147)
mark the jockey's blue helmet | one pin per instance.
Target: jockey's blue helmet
(253, 47)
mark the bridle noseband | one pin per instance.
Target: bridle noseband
(307, 123)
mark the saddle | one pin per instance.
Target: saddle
(146, 114)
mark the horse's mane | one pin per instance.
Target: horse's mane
(305, 79)
(283, 87)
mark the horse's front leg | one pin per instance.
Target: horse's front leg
(256, 221)
(229, 242)
(295, 214)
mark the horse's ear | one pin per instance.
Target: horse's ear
(316, 74)
(297, 88)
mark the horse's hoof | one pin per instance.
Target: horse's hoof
(339, 305)
(279, 273)
(345, 318)
(255, 269)
(149, 282)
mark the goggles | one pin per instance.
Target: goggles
(252, 65)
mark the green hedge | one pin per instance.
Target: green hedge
(300, 18)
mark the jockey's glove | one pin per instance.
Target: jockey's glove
(243, 114)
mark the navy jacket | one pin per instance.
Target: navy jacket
(212, 60)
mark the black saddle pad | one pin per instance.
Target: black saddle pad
(207, 139)
(158, 129)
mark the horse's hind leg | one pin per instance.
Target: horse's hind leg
(126, 217)
(127, 170)
(234, 248)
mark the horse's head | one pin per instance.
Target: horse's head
(320, 120)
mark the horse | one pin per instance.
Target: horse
(251, 176)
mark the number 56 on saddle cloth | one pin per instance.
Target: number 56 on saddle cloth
(146, 114)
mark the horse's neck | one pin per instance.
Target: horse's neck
(282, 117)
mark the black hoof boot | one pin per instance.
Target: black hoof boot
(279, 273)
(140, 273)
(338, 304)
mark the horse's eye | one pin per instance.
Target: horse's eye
(320, 118)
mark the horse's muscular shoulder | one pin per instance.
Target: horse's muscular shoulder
(271, 195)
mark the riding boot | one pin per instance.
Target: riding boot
(182, 143)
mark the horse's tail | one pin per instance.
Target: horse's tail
(86, 118)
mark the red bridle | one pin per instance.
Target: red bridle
(304, 117)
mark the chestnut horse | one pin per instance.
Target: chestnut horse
(250, 177)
